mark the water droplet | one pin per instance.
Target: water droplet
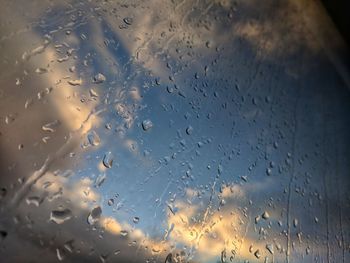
(62, 59)
(108, 160)
(108, 126)
(39, 49)
(128, 20)
(172, 208)
(222, 202)
(45, 139)
(208, 44)
(155, 250)
(299, 235)
(307, 250)
(136, 219)
(41, 70)
(189, 130)
(60, 254)
(169, 258)
(99, 78)
(46, 184)
(100, 180)
(124, 233)
(268, 99)
(69, 246)
(51, 126)
(60, 216)
(244, 178)
(34, 200)
(94, 215)
(66, 173)
(10, 118)
(75, 82)
(295, 222)
(257, 253)
(104, 258)
(257, 218)
(93, 138)
(146, 125)
(269, 247)
(265, 215)
(110, 202)
(28, 103)
(223, 256)
(268, 171)
(220, 169)
(93, 93)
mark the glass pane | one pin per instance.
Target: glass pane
(173, 131)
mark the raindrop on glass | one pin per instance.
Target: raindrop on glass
(60, 254)
(128, 20)
(265, 215)
(146, 125)
(189, 130)
(124, 233)
(75, 82)
(93, 138)
(34, 200)
(99, 78)
(94, 215)
(60, 216)
(110, 202)
(41, 70)
(108, 160)
(257, 253)
(51, 126)
(269, 247)
(169, 258)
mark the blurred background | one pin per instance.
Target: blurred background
(174, 131)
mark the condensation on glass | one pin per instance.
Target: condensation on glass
(173, 131)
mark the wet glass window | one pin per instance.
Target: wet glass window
(173, 131)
